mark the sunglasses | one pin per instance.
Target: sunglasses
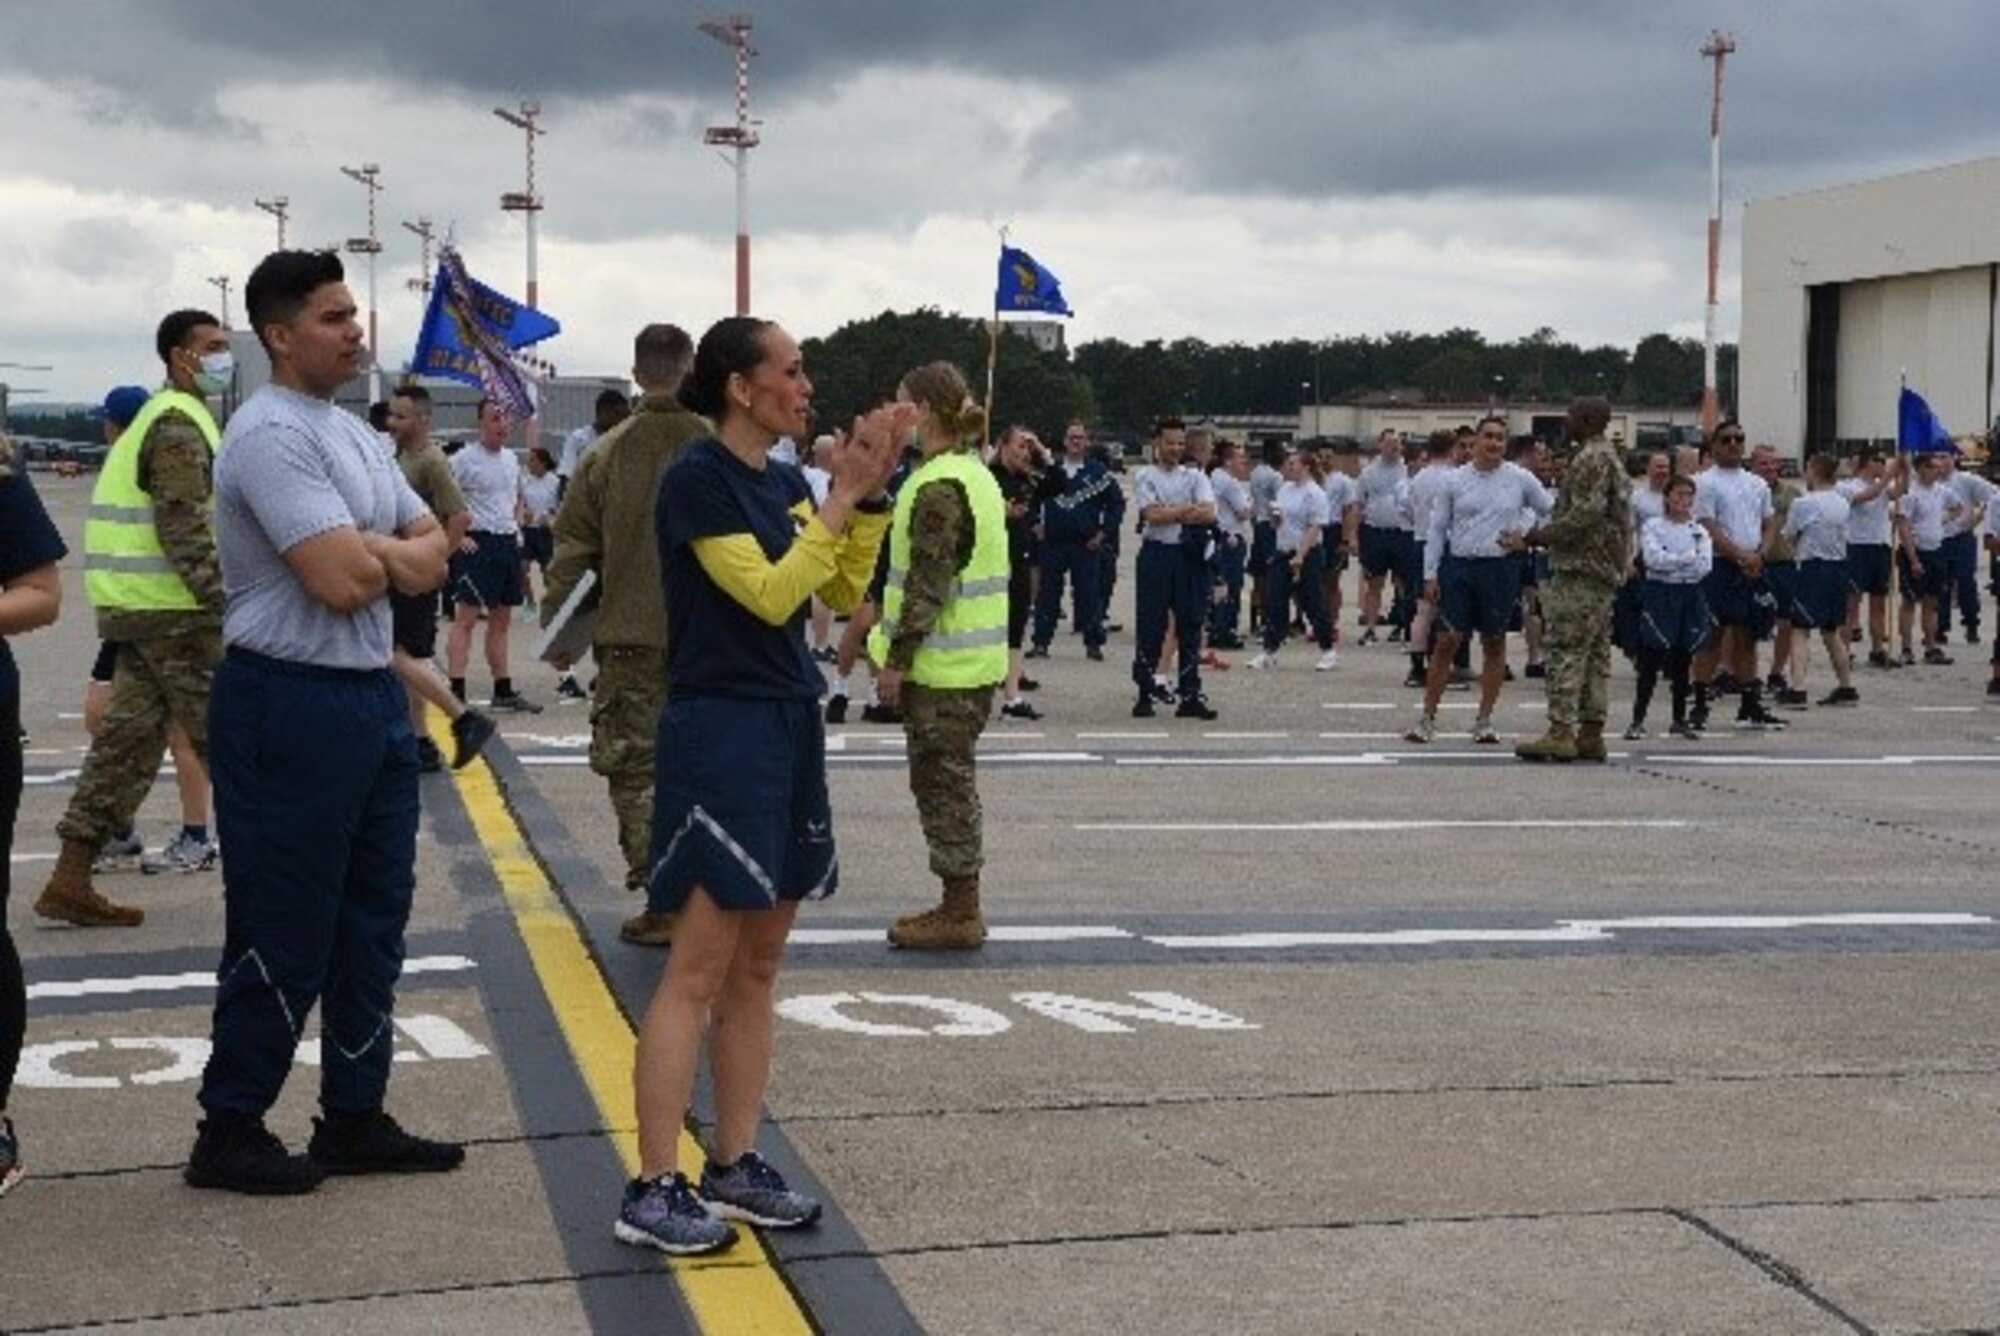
(1730, 436)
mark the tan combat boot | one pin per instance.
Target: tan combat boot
(70, 898)
(1590, 742)
(647, 928)
(955, 925)
(1558, 744)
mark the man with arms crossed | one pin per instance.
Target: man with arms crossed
(312, 753)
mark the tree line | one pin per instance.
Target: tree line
(1119, 387)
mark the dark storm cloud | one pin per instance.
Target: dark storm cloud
(1293, 97)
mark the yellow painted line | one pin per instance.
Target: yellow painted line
(736, 1291)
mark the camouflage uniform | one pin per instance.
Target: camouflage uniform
(606, 525)
(165, 658)
(1588, 536)
(942, 724)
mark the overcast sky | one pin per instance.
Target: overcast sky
(1233, 172)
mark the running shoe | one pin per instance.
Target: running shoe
(570, 689)
(751, 1190)
(1841, 696)
(184, 853)
(1537, 669)
(664, 1213)
(120, 854)
(375, 1143)
(1682, 729)
(1414, 679)
(516, 702)
(1143, 708)
(1937, 657)
(242, 1155)
(1020, 709)
(1195, 707)
(1909, 657)
(1791, 696)
(1036, 652)
(1424, 730)
(1482, 731)
(1265, 661)
(1095, 653)
(1328, 661)
(1029, 683)
(1879, 658)
(1367, 637)
(429, 759)
(836, 708)
(1636, 732)
(1161, 692)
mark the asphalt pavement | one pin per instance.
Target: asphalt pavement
(1286, 1026)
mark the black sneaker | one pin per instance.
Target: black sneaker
(469, 732)
(1972, 635)
(1368, 637)
(836, 708)
(1143, 708)
(1229, 640)
(516, 702)
(1037, 652)
(1841, 696)
(1194, 707)
(1414, 679)
(10, 1156)
(1697, 719)
(1879, 658)
(1683, 729)
(880, 714)
(1020, 709)
(1724, 683)
(1936, 656)
(374, 1143)
(1095, 653)
(429, 759)
(1161, 692)
(571, 689)
(1791, 696)
(1537, 670)
(241, 1155)
(1029, 683)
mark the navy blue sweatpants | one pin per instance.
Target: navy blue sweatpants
(315, 773)
(1174, 579)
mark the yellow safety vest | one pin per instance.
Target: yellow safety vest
(124, 565)
(968, 645)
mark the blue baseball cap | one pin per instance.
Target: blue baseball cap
(122, 405)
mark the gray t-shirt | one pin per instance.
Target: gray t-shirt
(292, 467)
(1179, 486)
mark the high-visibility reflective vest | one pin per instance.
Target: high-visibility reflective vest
(124, 565)
(967, 647)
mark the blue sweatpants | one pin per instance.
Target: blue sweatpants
(315, 774)
(1068, 556)
(1174, 579)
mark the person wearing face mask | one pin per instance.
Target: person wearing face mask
(152, 575)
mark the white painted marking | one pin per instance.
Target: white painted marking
(836, 742)
(1086, 933)
(1944, 709)
(1016, 758)
(562, 758)
(1357, 705)
(1128, 733)
(1619, 823)
(45, 1066)
(54, 777)
(1359, 737)
(1363, 760)
(1807, 762)
(167, 983)
(826, 1011)
(1399, 937)
(834, 936)
(1574, 930)
(566, 741)
(1095, 1017)
(32, 858)
(1246, 737)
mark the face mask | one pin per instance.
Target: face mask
(218, 370)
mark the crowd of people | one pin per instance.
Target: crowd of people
(254, 585)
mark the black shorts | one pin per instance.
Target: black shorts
(1935, 582)
(538, 547)
(1818, 596)
(1736, 600)
(1478, 594)
(1383, 551)
(413, 623)
(491, 576)
(105, 665)
(1868, 568)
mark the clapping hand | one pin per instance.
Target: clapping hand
(862, 463)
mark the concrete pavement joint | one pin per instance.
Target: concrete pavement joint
(1388, 1092)
(1695, 780)
(1779, 1271)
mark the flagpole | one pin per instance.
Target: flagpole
(993, 342)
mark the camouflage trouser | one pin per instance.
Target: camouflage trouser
(625, 710)
(943, 726)
(1576, 620)
(160, 680)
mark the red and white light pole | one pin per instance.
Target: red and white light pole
(421, 284)
(734, 33)
(368, 174)
(526, 201)
(1717, 48)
